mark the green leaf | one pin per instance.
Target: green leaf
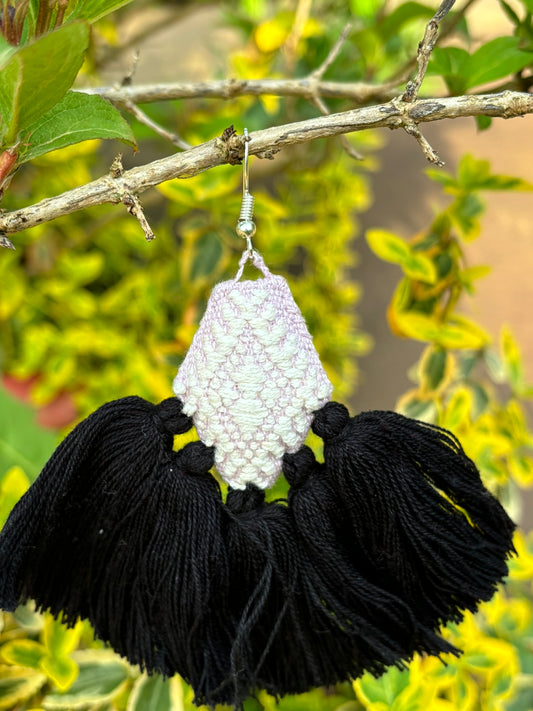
(458, 410)
(421, 268)
(10, 83)
(495, 60)
(18, 685)
(62, 671)
(460, 332)
(208, 251)
(59, 639)
(38, 75)
(450, 63)
(393, 249)
(316, 700)
(512, 359)
(77, 117)
(511, 14)
(22, 442)
(365, 8)
(404, 13)
(80, 268)
(475, 174)
(383, 690)
(433, 368)
(93, 10)
(441, 176)
(418, 409)
(102, 677)
(495, 366)
(23, 653)
(6, 50)
(465, 212)
(388, 246)
(153, 693)
(483, 122)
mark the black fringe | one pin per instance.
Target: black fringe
(121, 530)
(391, 537)
(413, 512)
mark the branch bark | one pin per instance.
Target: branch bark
(264, 143)
(306, 88)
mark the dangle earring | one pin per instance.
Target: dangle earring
(392, 536)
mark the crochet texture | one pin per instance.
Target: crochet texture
(252, 379)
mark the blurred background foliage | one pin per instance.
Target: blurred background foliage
(90, 312)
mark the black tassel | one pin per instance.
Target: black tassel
(413, 510)
(278, 646)
(121, 530)
(304, 617)
(370, 628)
(264, 568)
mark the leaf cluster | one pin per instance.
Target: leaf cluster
(38, 67)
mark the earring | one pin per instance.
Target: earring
(377, 547)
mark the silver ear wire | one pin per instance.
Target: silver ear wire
(246, 225)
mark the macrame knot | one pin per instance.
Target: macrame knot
(196, 458)
(330, 420)
(243, 500)
(169, 418)
(297, 467)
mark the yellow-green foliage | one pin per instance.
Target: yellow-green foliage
(89, 309)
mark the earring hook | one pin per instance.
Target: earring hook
(246, 225)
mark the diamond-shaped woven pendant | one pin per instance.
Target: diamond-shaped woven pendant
(252, 379)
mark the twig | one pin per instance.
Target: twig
(413, 87)
(5, 242)
(303, 10)
(134, 207)
(315, 78)
(357, 92)
(424, 50)
(131, 201)
(402, 74)
(127, 80)
(430, 153)
(157, 128)
(333, 53)
(265, 143)
(345, 143)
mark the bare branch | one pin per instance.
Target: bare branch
(133, 204)
(345, 143)
(157, 128)
(5, 242)
(425, 48)
(303, 10)
(394, 114)
(128, 78)
(358, 92)
(131, 201)
(430, 153)
(333, 54)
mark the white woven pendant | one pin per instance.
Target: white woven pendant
(252, 379)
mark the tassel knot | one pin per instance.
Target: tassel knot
(330, 421)
(169, 417)
(297, 467)
(196, 458)
(243, 500)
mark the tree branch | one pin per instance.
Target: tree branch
(264, 143)
(358, 92)
(425, 48)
